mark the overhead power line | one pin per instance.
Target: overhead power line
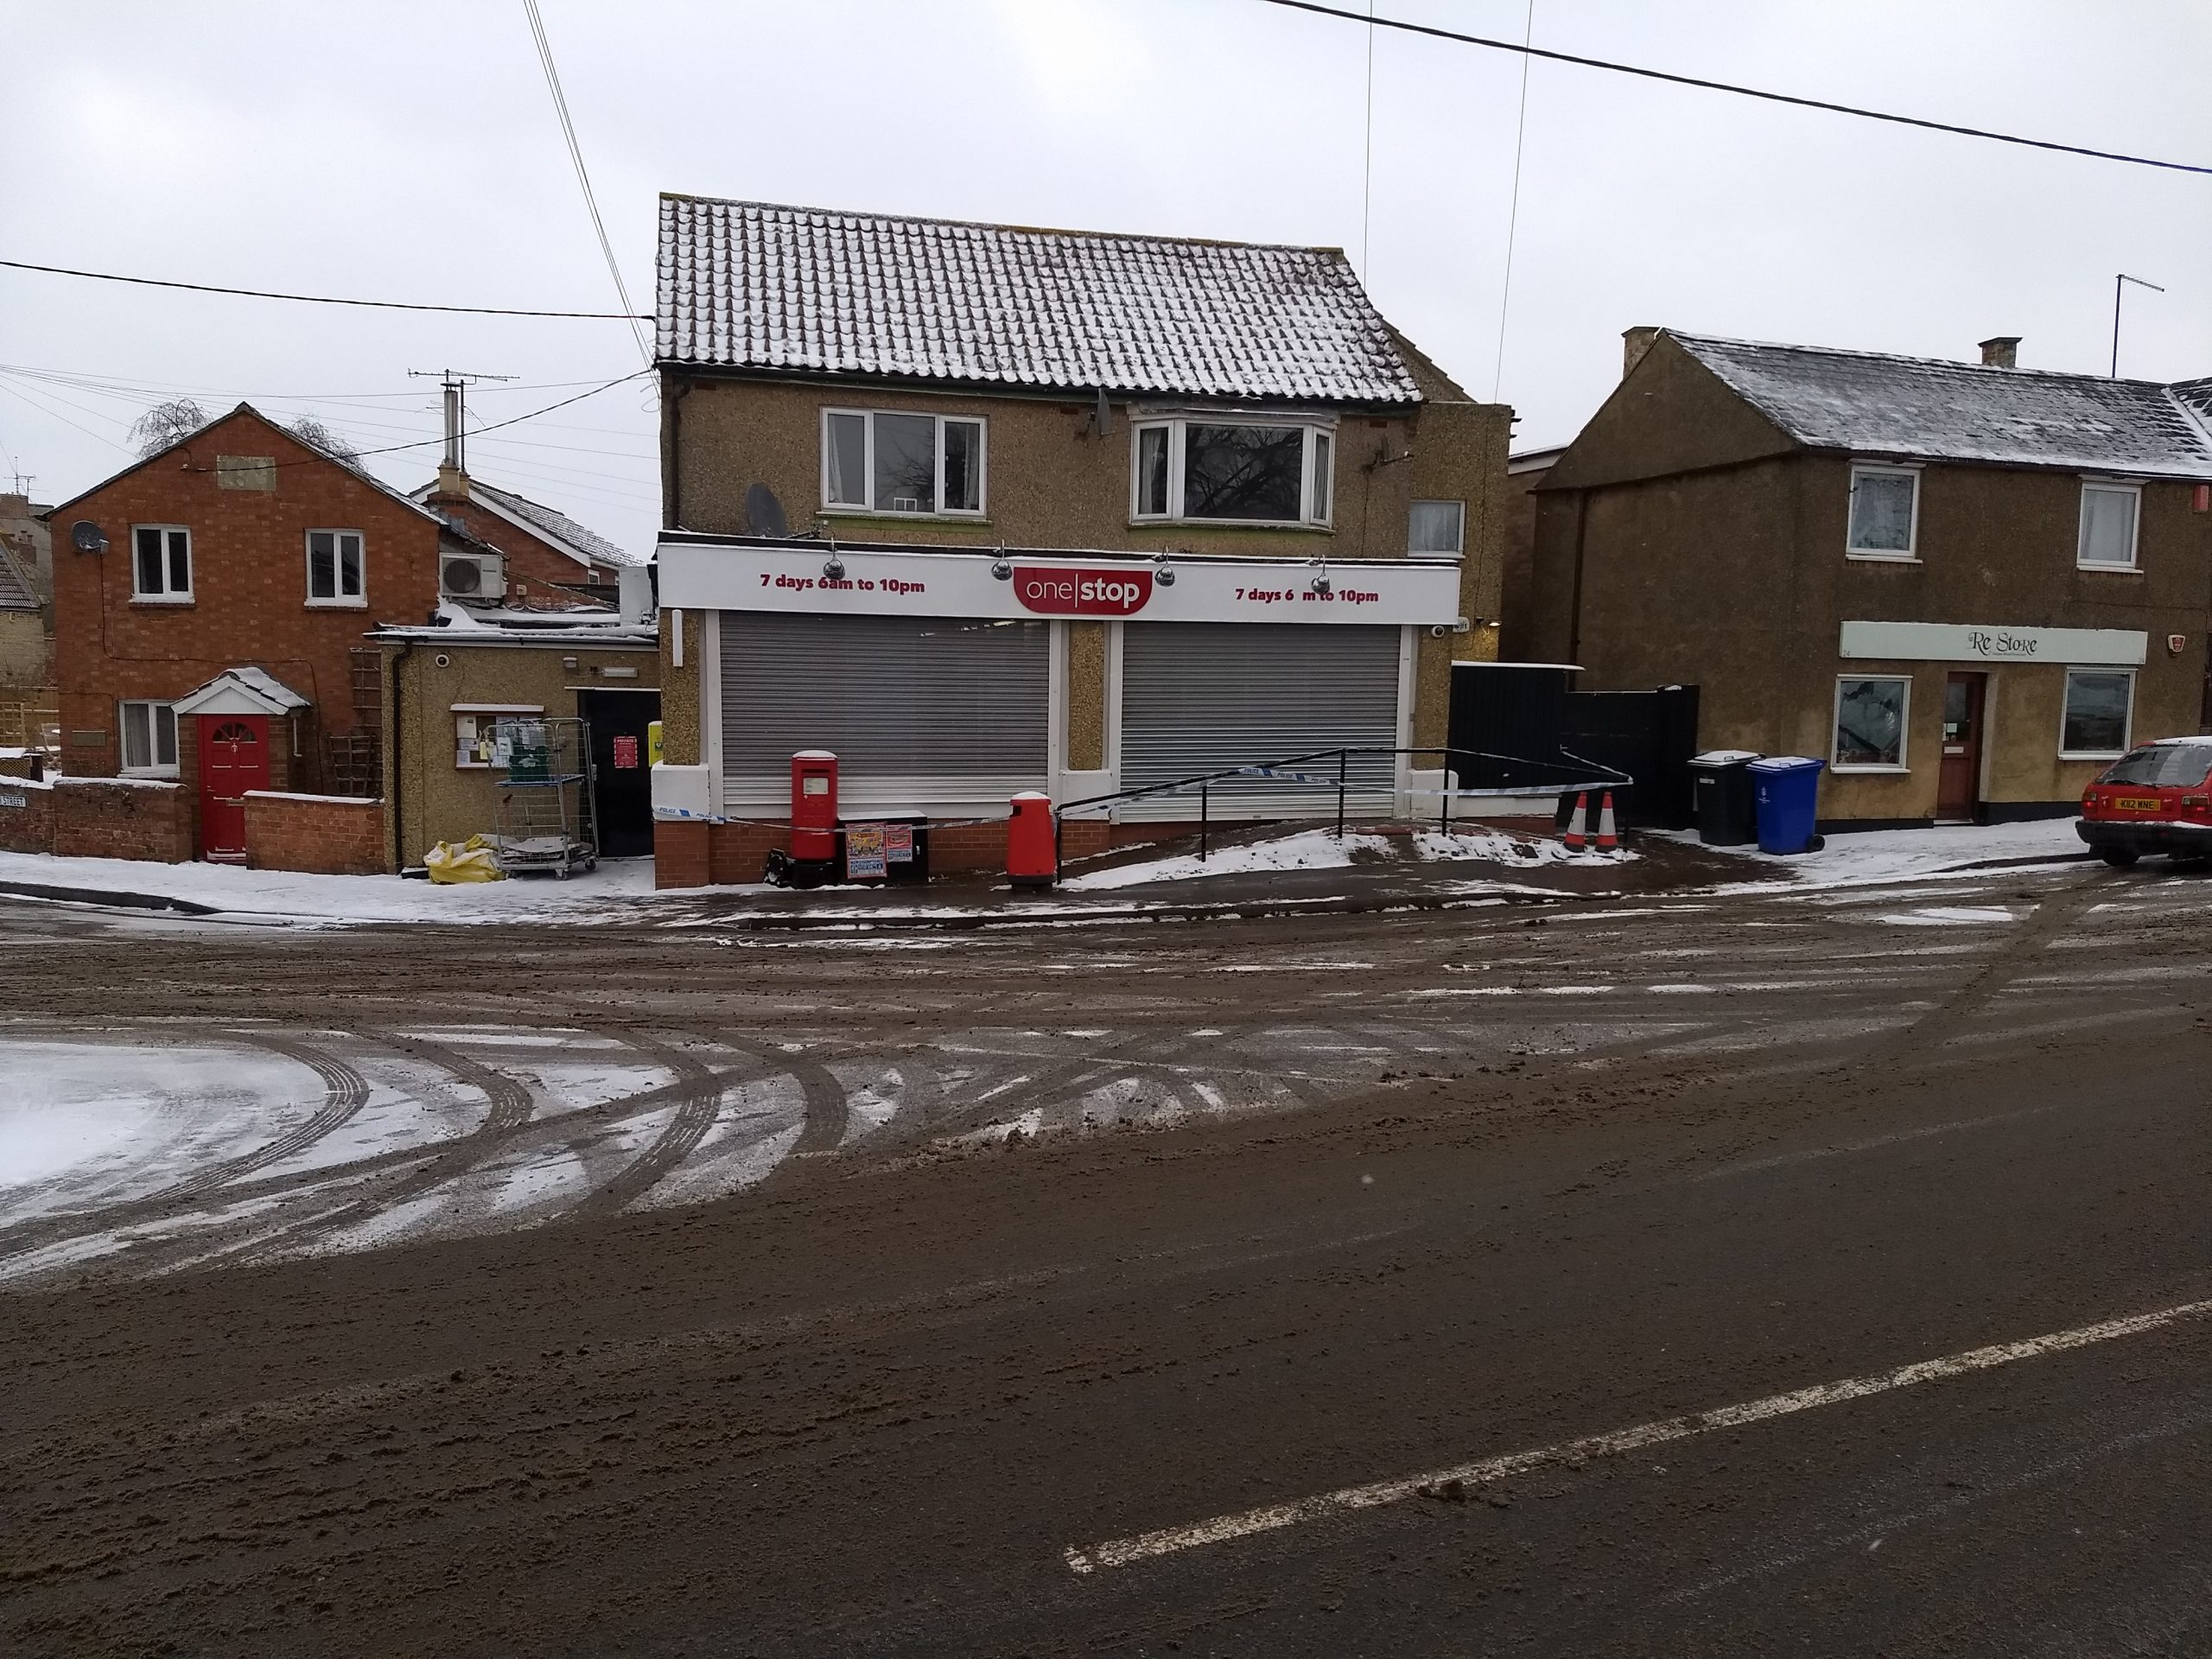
(583, 178)
(322, 299)
(1741, 92)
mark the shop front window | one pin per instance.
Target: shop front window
(1870, 722)
(2098, 704)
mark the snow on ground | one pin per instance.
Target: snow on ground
(1873, 856)
(1323, 849)
(611, 889)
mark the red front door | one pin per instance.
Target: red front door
(233, 758)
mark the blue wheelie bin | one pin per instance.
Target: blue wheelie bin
(1787, 788)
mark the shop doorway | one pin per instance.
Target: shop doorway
(233, 758)
(622, 778)
(1958, 791)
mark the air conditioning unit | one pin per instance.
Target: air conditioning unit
(472, 575)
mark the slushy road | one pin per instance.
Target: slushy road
(1818, 1273)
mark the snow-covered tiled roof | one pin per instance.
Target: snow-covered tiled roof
(1872, 404)
(16, 591)
(583, 543)
(751, 285)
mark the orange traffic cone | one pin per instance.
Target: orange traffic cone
(1608, 838)
(1575, 837)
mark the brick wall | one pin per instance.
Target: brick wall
(324, 835)
(249, 602)
(102, 818)
(691, 853)
(27, 828)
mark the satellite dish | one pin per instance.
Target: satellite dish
(85, 536)
(763, 514)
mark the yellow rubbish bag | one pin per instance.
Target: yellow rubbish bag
(471, 861)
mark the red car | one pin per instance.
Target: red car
(2154, 799)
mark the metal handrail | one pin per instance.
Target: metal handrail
(1274, 771)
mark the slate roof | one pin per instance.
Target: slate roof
(1873, 404)
(752, 285)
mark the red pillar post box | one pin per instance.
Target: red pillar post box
(814, 806)
(1032, 857)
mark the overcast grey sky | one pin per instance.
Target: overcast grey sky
(394, 149)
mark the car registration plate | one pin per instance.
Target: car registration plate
(2137, 803)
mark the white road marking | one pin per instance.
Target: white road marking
(1221, 1529)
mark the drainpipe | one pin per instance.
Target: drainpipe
(398, 829)
(672, 483)
(1574, 615)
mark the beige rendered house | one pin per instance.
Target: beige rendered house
(981, 509)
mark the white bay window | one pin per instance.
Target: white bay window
(1232, 472)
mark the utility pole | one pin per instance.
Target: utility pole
(2120, 286)
(455, 384)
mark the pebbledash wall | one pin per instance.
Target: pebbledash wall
(434, 677)
(1057, 497)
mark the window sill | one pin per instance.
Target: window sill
(2109, 569)
(2093, 754)
(1871, 772)
(338, 604)
(157, 601)
(870, 516)
(1883, 558)
(167, 774)
(1233, 523)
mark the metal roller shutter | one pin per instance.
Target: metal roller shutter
(1199, 696)
(916, 710)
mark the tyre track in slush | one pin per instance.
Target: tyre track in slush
(698, 1103)
(511, 1105)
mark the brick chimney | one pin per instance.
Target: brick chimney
(2001, 352)
(453, 483)
(1635, 342)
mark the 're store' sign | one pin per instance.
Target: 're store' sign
(1061, 590)
(820, 578)
(1946, 642)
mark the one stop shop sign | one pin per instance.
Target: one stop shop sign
(1057, 590)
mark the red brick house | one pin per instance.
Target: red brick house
(552, 561)
(244, 565)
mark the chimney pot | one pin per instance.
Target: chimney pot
(2001, 352)
(1635, 342)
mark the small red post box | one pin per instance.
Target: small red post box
(814, 806)
(1032, 856)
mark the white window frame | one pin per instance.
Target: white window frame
(1177, 428)
(166, 596)
(2127, 728)
(2133, 566)
(155, 768)
(1459, 547)
(1905, 730)
(338, 602)
(1877, 555)
(980, 509)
